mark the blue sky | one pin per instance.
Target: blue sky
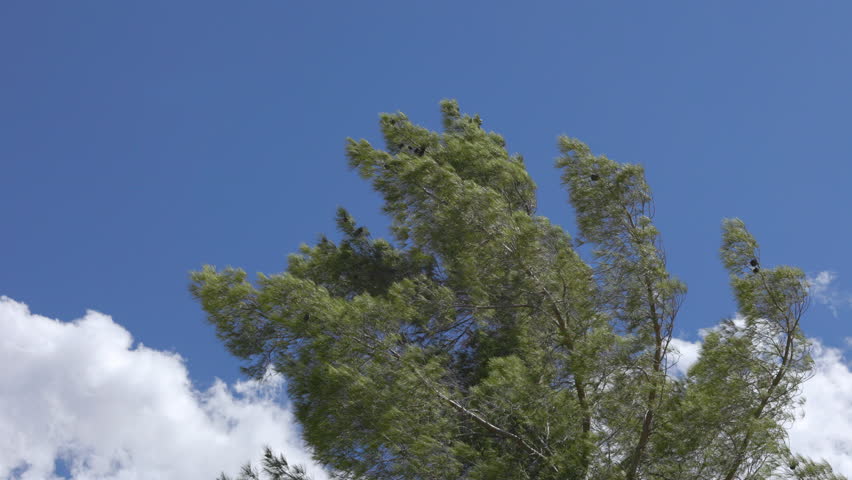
(141, 140)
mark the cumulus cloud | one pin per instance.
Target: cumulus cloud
(684, 354)
(82, 395)
(823, 428)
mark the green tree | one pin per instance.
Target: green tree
(275, 467)
(478, 344)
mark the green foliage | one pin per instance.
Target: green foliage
(478, 344)
(275, 467)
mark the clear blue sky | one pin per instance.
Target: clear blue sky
(141, 140)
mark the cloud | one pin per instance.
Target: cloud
(823, 428)
(685, 354)
(822, 291)
(82, 395)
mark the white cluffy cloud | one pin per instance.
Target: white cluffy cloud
(684, 353)
(823, 427)
(82, 394)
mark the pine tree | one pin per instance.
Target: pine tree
(478, 344)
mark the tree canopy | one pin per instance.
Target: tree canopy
(477, 343)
